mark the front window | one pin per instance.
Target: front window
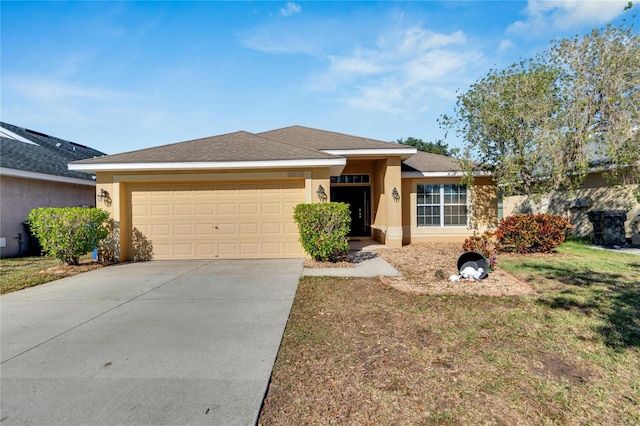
(442, 205)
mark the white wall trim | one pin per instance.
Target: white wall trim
(163, 177)
(403, 152)
(452, 173)
(43, 176)
(208, 165)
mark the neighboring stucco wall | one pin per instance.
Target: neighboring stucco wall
(20, 196)
(601, 196)
(482, 211)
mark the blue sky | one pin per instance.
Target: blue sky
(119, 76)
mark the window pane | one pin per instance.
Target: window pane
(430, 200)
(453, 201)
(455, 215)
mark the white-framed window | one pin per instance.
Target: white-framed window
(442, 205)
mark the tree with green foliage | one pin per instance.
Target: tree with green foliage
(600, 76)
(507, 120)
(437, 147)
(68, 233)
(540, 124)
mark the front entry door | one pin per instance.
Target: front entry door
(358, 198)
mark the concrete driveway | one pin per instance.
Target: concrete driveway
(175, 342)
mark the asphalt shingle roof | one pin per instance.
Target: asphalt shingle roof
(289, 143)
(232, 147)
(47, 154)
(325, 140)
(428, 162)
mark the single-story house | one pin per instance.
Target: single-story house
(34, 173)
(233, 195)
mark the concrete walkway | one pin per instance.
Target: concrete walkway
(629, 250)
(178, 342)
(366, 262)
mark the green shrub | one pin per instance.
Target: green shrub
(531, 233)
(68, 233)
(484, 244)
(323, 230)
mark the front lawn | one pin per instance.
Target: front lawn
(17, 273)
(356, 351)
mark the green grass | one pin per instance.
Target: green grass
(585, 282)
(358, 352)
(22, 272)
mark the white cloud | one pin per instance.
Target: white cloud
(291, 42)
(354, 65)
(290, 9)
(546, 15)
(54, 102)
(403, 72)
(505, 45)
(42, 89)
(419, 39)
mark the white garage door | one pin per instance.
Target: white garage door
(218, 220)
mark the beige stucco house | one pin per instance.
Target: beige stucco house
(34, 173)
(233, 195)
(595, 193)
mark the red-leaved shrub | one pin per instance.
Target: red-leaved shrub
(531, 233)
(484, 244)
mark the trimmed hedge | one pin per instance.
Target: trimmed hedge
(323, 230)
(69, 232)
(531, 233)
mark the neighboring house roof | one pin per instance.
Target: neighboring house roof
(31, 154)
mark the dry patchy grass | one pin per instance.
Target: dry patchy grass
(22, 272)
(357, 351)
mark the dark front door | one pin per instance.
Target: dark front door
(358, 198)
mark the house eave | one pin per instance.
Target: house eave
(4, 171)
(333, 163)
(453, 173)
(404, 153)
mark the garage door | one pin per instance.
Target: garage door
(218, 220)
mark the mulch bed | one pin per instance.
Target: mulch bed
(426, 268)
(64, 270)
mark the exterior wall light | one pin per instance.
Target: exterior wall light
(103, 195)
(322, 195)
(395, 194)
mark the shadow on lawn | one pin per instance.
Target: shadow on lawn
(615, 298)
